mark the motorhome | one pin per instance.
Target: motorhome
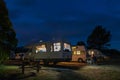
(57, 51)
(79, 53)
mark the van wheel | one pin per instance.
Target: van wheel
(80, 60)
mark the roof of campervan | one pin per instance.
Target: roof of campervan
(43, 42)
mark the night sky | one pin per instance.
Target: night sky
(71, 20)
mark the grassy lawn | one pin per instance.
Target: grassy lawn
(107, 72)
(94, 72)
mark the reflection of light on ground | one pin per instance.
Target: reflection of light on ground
(72, 64)
(91, 67)
(103, 67)
(55, 69)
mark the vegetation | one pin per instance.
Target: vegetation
(8, 39)
(80, 43)
(103, 72)
(99, 38)
(112, 53)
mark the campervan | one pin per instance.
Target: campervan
(79, 53)
(57, 51)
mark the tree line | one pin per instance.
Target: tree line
(100, 39)
(8, 40)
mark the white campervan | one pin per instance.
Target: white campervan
(55, 52)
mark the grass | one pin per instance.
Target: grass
(108, 72)
(7, 71)
(94, 72)
(8, 67)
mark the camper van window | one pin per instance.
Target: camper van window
(40, 48)
(78, 52)
(67, 47)
(51, 48)
(74, 52)
(57, 46)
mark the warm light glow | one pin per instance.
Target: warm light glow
(73, 48)
(57, 46)
(40, 48)
(67, 47)
(74, 52)
(92, 52)
(78, 52)
(51, 48)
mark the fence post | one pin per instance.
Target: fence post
(23, 67)
(38, 66)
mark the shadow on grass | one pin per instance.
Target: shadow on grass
(71, 75)
(111, 62)
(62, 66)
(17, 76)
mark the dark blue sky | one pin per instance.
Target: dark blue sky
(66, 19)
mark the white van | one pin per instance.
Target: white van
(57, 51)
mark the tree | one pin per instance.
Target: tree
(99, 38)
(80, 43)
(8, 39)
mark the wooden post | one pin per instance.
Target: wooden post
(38, 66)
(23, 67)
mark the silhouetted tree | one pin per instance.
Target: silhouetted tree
(7, 35)
(80, 43)
(99, 38)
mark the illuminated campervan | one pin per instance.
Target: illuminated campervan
(51, 52)
(79, 53)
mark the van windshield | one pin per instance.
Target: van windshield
(67, 47)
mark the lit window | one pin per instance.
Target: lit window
(67, 47)
(92, 52)
(40, 48)
(74, 52)
(51, 48)
(78, 52)
(57, 46)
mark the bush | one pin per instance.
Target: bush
(3, 56)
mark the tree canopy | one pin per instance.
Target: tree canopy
(8, 39)
(80, 43)
(99, 38)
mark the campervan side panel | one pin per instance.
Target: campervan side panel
(49, 55)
